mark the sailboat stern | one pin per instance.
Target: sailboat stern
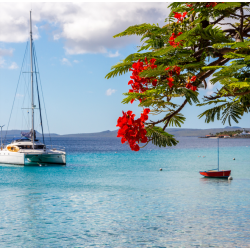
(56, 158)
(12, 157)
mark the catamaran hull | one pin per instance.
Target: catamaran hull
(12, 158)
(47, 158)
(19, 158)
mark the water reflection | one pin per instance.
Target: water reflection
(214, 181)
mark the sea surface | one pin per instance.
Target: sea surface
(109, 196)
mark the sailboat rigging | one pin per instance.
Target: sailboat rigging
(28, 147)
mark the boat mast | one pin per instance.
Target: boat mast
(32, 91)
(218, 153)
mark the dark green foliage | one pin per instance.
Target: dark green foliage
(159, 137)
(177, 120)
(208, 50)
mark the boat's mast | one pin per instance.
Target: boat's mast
(32, 91)
(218, 153)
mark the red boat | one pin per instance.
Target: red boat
(216, 173)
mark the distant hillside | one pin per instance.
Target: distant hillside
(178, 132)
(198, 132)
(106, 133)
(232, 127)
(17, 133)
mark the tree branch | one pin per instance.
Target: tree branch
(203, 75)
(229, 95)
(241, 23)
(174, 113)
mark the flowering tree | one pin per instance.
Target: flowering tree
(199, 41)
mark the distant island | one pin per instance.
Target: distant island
(230, 134)
(178, 132)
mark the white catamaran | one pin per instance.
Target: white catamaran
(28, 148)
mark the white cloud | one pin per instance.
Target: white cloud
(65, 61)
(84, 27)
(113, 54)
(13, 66)
(57, 37)
(6, 52)
(110, 91)
(76, 61)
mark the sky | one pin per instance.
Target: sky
(76, 49)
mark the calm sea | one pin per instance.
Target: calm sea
(108, 196)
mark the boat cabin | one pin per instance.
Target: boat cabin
(26, 143)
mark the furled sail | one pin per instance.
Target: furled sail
(29, 134)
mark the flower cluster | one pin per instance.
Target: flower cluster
(140, 84)
(189, 85)
(179, 16)
(190, 6)
(131, 130)
(172, 40)
(212, 4)
(174, 70)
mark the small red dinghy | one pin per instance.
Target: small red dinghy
(216, 173)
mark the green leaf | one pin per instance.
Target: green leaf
(160, 138)
(213, 67)
(240, 84)
(230, 111)
(177, 120)
(163, 51)
(223, 6)
(247, 58)
(137, 30)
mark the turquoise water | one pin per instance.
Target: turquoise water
(108, 196)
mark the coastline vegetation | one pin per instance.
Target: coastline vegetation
(231, 133)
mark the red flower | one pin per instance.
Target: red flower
(131, 130)
(140, 84)
(153, 60)
(136, 147)
(170, 82)
(213, 4)
(193, 79)
(146, 111)
(172, 42)
(177, 70)
(144, 139)
(154, 82)
(180, 16)
(194, 88)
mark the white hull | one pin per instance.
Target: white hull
(19, 158)
(47, 158)
(12, 158)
